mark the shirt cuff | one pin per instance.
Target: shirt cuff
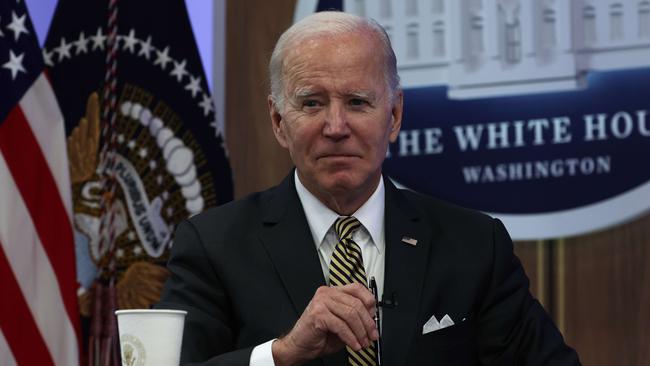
(262, 355)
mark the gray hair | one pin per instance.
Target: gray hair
(328, 23)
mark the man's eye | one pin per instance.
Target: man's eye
(357, 102)
(310, 103)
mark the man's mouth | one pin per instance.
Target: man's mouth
(338, 156)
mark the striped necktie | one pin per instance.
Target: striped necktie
(346, 266)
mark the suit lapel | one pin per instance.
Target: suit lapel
(405, 267)
(286, 237)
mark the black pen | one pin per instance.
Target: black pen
(373, 289)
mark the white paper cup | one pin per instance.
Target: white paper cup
(150, 337)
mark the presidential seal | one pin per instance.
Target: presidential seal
(133, 353)
(159, 179)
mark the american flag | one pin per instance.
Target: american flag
(39, 322)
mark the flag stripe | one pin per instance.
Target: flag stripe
(23, 340)
(6, 356)
(29, 261)
(41, 111)
(36, 185)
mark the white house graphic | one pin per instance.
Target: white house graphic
(482, 48)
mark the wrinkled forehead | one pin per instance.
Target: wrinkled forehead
(333, 33)
(347, 51)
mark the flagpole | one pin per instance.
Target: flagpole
(109, 354)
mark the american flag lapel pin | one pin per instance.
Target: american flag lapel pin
(410, 241)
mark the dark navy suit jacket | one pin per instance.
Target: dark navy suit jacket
(245, 271)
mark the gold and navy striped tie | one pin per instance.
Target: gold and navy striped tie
(346, 266)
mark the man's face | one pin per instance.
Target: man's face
(339, 115)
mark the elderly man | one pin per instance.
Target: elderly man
(281, 277)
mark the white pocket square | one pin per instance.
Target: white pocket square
(433, 324)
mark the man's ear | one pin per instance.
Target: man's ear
(396, 118)
(276, 122)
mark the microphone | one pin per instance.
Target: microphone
(390, 303)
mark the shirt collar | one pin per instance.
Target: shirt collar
(320, 217)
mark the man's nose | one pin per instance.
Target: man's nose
(336, 123)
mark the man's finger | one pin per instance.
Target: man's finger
(362, 293)
(337, 326)
(351, 311)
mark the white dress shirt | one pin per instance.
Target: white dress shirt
(369, 237)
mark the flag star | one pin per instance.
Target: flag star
(130, 144)
(162, 58)
(17, 25)
(159, 179)
(137, 250)
(47, 57)
(98, 39)
(218, 127)
(179, 70)
(120, 139)
(64, 49)
(142, 152)
(130, 235)
(15, 64)
(170, 211)
(1, 34)
(194, 85)
(206, 104)
(165, 195)
(130, 41)
(146, 48)
(81, 44)
(119, 253)
(152, 164)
